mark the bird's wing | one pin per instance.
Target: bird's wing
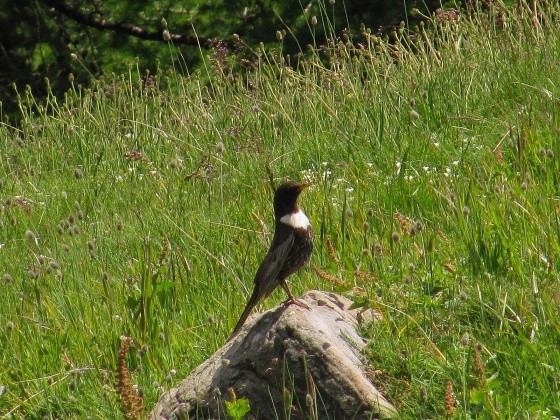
(273, 262)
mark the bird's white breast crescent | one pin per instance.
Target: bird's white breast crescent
(296, 220)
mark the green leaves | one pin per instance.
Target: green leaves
(238, 409)
(42, 56)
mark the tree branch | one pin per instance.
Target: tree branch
(122, 28)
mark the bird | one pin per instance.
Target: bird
(291, 248)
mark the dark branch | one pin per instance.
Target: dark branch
(121, 28)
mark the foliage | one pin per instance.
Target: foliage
(39, 38)
(238, 409)
(131, 210)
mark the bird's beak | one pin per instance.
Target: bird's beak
(303, 187)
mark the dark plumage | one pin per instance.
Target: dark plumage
(290, 249)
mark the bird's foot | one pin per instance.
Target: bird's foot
(293, 301)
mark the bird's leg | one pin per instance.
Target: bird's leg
(291, 298)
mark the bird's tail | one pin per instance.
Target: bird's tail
(255, 297)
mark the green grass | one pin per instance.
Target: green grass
(130, 210)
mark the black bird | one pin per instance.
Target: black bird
(291, 248)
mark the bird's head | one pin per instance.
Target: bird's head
(285, 198)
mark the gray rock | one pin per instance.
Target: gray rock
(289, 362)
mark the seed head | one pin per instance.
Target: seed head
(166, 35)
(7, 278)
(450, 406)
(9, 326)
(415, 115)
(424, 393)
(550, 154)
(78, 173)
(309, 400)
(314, 20)
(395, 237)
(465, 339)
(279, 35)
(30, 235)
(466, 211)
(53, 265)
(463, 296)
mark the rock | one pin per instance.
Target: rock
(289, 362)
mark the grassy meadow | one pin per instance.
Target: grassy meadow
(142, 206)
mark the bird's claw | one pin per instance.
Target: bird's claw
(294, 301)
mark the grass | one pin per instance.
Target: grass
(134, 210)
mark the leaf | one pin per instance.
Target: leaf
(238, 408)
(358, 303)
(42, 55)
(477, 396)
(164, 286)
(434, 290)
